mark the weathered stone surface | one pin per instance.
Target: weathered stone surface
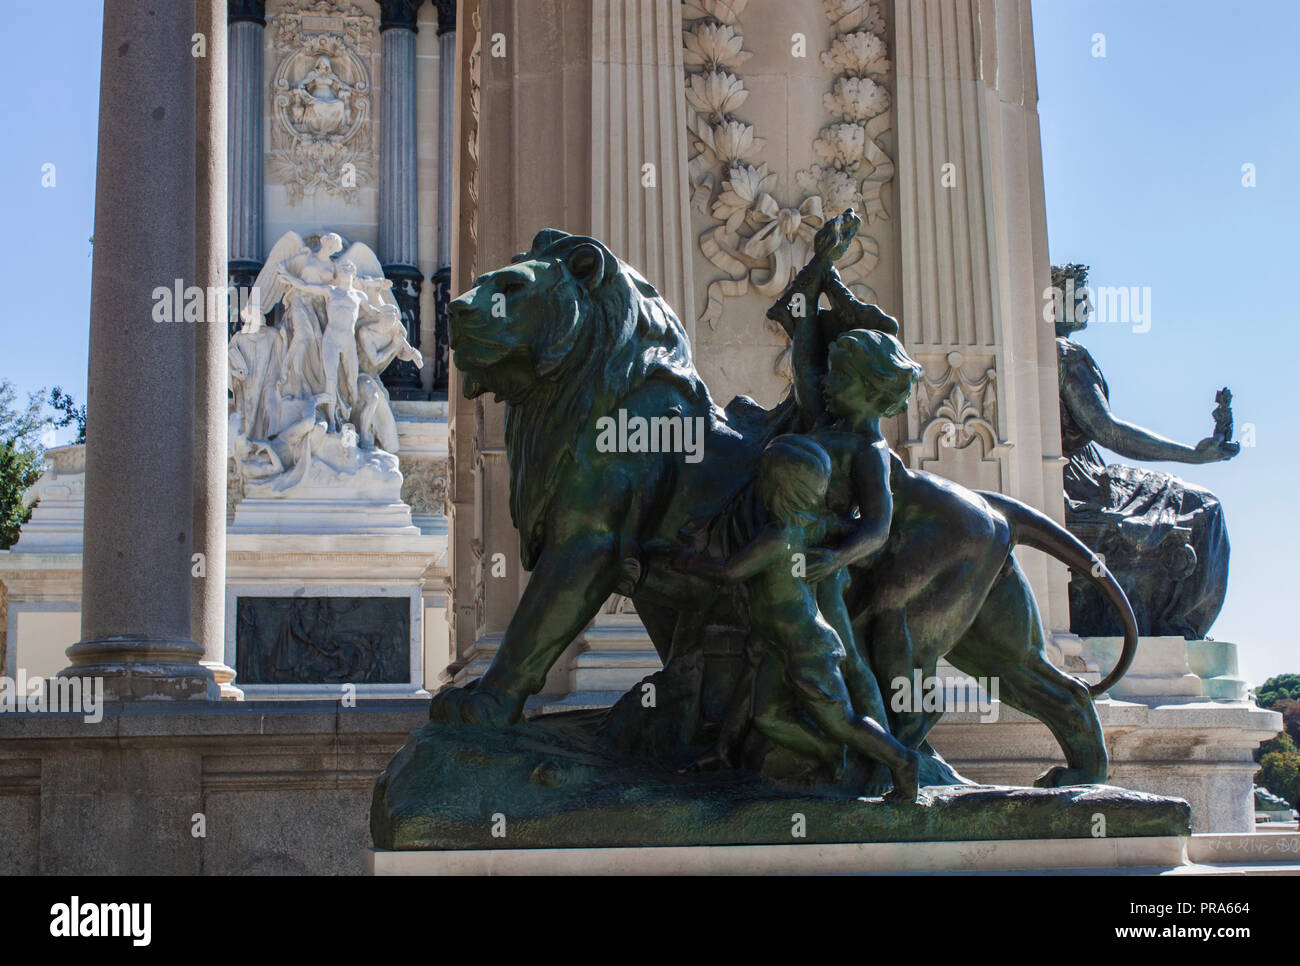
(549, 784)
(282, 786)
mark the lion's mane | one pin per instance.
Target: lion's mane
(625, 336)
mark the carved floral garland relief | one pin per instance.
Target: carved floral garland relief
(760, 241)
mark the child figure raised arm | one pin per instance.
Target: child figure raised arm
(793, 476)
(811, 328)
(850, 371)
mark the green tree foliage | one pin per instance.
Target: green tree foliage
(1291, 718)
(1277, 689)
(20, 457)
(1279, 758)
(68, 413)
(1280, 768)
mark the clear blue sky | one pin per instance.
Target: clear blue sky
(1142, 157)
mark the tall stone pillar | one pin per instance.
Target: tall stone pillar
(531, 147)
(462, 602)
(246, 24)
(135, 618)
(973, 231)
(398, 188)
(446, 162)
(570, 94)
(208, 571)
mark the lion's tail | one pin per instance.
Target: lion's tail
(1033, 529)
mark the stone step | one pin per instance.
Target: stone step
(1117, 856)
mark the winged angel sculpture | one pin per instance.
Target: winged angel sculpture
(309, 404)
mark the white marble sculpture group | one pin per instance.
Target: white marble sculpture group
(310, 411)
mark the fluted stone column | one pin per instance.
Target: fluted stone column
(446, 157)
(135, 617)
(462, 422)
(247, 22)
(208, 572)
(398, 186)
(974, 255)
(530, 167)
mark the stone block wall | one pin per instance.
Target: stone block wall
(282, 788)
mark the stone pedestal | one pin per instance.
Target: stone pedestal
(329, 582)
(1160, 673)
(284, 787)
(325, 590)
(1215, 663)
(41, 574)
(1169, 730)
(349, 621)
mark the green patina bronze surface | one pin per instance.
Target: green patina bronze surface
(772, 677)
(1165, 539)
(544, 785)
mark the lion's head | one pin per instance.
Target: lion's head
(562, 335)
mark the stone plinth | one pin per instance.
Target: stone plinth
(1215, 663)
(422, 431)
(280, 544)
(326, 513)
(348, 566)
(856, 858)
(1160, 673)
(283, 787)
(1209, 854)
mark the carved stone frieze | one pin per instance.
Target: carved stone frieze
(322, 132)
(425, 486)
(955, 422)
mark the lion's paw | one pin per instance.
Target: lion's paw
(469, 706)
(879, 781)
(1058, 776)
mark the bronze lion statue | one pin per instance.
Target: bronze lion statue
(568, 336)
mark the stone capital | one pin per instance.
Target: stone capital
(446, 16)
(250, 11)
(399, 14)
